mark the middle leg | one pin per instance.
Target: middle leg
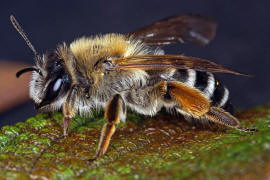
(114, 111)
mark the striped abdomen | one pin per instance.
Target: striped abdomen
(208, 84)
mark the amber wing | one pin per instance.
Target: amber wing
(178, 29)
(159, 62)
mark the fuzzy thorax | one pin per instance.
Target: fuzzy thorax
(87, 50)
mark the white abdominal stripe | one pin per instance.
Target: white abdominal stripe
(191, 77)
(224, 98)
(206, 82)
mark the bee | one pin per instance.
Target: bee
(119, 71)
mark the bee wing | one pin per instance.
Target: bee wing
(160, 62)
(180, 28)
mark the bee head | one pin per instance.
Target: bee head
(49, 86)
(50, 80)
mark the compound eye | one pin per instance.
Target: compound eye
(57, 84)
(53, 89)
(52, 92)
(108, 64)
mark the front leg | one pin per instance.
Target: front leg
(114, 110)
(68, 109)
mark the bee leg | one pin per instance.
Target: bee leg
(194, 103)
(68, 109)
(114, 111)
(222, 117)
(191, 100)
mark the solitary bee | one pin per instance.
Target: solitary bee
(116, 71)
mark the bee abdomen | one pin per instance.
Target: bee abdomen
(220, 97)
(207, 83)
(185, 76)
(203, 81)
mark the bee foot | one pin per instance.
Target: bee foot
(247, 130)
(93, 159)
(66, 125)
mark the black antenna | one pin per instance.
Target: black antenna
(19, 73)
(23, 34)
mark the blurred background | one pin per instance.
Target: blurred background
(242, 42)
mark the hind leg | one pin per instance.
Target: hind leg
(219, 116)
(194, 103)
(199, 122)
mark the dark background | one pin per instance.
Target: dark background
(242, 42)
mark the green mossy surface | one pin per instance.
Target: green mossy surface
(163, 147)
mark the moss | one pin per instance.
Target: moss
(7, 174)
(156, 148)
(63, 173)
(4, 139)
(61, 154)
(124, 169)
(58, 116)
(21, 125)
(37, 122)
(44, 140)
(3, 156)
(11, 131)
(48, 155)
